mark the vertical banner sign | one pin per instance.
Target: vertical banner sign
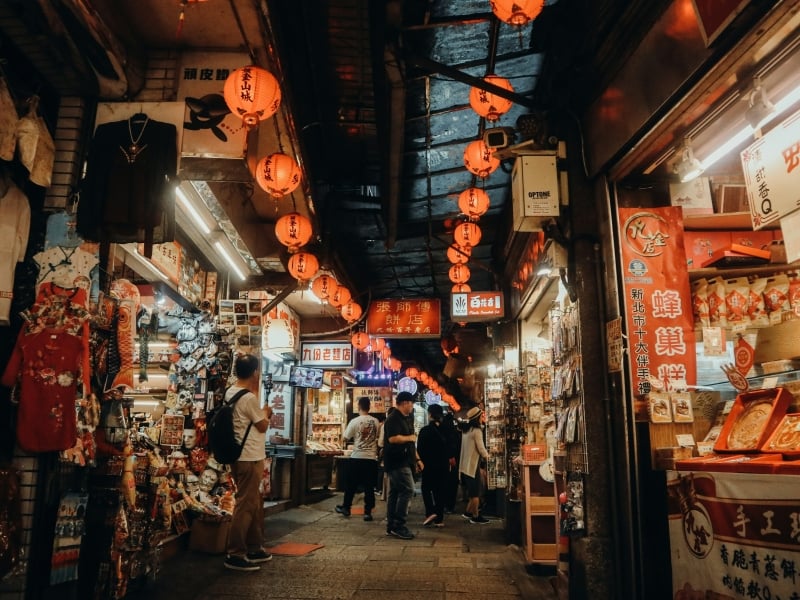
(658, 310)
(413, 318)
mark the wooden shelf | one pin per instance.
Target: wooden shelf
(540, 518)
(744, 271)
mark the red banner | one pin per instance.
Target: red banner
(414, 318)
(734, 535)
(658, 310)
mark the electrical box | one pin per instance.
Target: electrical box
(535, 190)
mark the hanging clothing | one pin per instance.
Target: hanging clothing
(128, 194)
(35, 146)
(46, 366)
(8, 122)
(66, 267)
(15, 221)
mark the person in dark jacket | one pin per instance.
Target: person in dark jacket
(432, 447)
(452, 481)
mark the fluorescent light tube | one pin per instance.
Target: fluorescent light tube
(190, 208)
(747, 131)
(229, 259)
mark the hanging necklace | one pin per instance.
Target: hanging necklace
(134, 149)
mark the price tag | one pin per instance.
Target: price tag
(685, 440)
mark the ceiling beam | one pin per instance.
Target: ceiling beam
(434, 67)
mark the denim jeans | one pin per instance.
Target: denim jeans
(401, 488)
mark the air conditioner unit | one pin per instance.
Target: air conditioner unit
(535, 190)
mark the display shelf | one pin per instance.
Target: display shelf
(540, 519)
(768, 269)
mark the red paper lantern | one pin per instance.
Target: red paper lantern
(473, 202)
(351, 311)
(303, 266)
(460, 288)
(516, 12)
(341, 296)
(293, 230)
(459, 273)
(459, 255)
(490, 105)
(467, 234)
(324, 286)
(278, 174)
(479, 160)
(378, 344)
(386, 353)
(395, 364)
(360, 340)
(253, 94)
(412, 372)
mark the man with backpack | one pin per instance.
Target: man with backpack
(250, 422)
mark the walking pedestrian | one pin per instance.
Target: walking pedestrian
(363, 463)
(400, 456)
(432, 447)
(472, 451)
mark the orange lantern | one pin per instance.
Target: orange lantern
(324, 286)
(473, 202)
(460, 288)
(252, 94)
(278, 174)
(516, 12)
(386, 353)
(395, 364)
(459, 255)
(412, 372)
(303, 266)
(459, 273)
(479, 160)
(467, 234)
(293, 230)
(351, 311)
(378, 344)
(490, 105)
(360, 340)
(341, 296)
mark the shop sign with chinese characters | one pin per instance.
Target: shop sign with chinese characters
(658, 310)
(771, 167)
(415, 318)
(380, 397)
(734, 535)
(476, 306)
(326, 354)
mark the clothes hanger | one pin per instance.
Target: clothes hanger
(139, 117)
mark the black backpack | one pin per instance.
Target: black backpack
(221, 439)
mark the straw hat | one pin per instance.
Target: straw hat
(473, 413)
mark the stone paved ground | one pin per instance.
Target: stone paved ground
(358, 562)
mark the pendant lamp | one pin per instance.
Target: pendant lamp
(252, 94)
(278, 174)
(293, 230)
(479, 160)
(473, 202)
(487, 104)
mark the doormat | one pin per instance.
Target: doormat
(294, 549)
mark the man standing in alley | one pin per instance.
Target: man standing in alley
(362, 468)
(400, 456)
(250, 421)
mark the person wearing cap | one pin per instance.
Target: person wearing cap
(434, 451)
(400, 456)
(472, 450)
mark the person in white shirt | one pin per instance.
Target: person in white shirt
(246, 535)
(362, 468)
